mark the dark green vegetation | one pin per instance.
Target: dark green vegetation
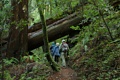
(95, 56)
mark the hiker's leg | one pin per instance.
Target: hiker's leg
(63, 59)
(55, 58)
(58, 59)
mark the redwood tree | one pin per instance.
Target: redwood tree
(17, 43)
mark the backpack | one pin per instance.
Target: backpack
(52, 49)
(64, 47)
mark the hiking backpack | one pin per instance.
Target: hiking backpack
(64, 47)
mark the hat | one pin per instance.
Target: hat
(53, 43)
(63, 40)
(57, 44)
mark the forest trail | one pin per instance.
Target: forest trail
(65, 73)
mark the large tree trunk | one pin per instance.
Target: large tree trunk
(17, 43)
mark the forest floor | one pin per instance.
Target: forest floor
(79, 66)
(91, 65)
(65, 73)
(38, 71)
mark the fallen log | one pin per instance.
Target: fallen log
(56, 30)
(38, 26)
(35, 39)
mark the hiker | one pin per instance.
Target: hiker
(56, 53)
(64, 49)
(52, 48)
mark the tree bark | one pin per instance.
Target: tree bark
(2, 56)
(17, 43)
(38, 26)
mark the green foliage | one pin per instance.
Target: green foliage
(8, 76)
(97, 27)
(75, 27)
(100, 62)
(50, 9)
(20, 25)
(97, 56)
(74, 51)
(22, 77)
(11, 61)
(100, 59)
(5, 14)
(39, 56)
(39, 71)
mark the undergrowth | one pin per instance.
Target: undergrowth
(101, 61)
(96, 56)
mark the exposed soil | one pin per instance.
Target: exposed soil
(64, 74)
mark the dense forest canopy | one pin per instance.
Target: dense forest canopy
(90, 27)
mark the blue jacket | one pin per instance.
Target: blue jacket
(52, 48)
(56, 51)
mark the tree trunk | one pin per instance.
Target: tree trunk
(17, 43)
(54, 66)
(2, 55)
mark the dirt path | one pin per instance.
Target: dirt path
(64, 74)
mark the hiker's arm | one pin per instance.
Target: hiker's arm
(68, 46)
